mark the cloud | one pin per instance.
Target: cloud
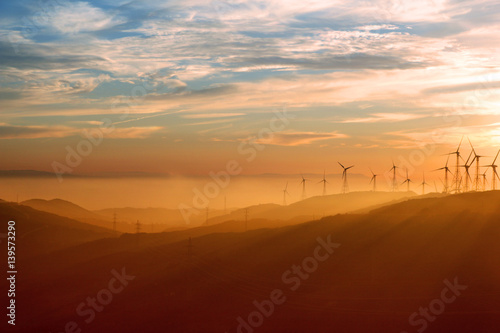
(291, 138)
(211, 115)
(384, 117)
(134, 132)
(213, 59)
(344, 62)
(38, 132)
(44, 58)
(75, 17)
(481, 85)
(33, 132)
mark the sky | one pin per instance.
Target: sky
(280, 86)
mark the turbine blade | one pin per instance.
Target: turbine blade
(460, 143)
(469, 158)
(496, 157)
(471, 145)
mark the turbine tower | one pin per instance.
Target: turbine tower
(324, 181)
(285, 193)
(494, 173)
(423, 183)
(374, 181)
(484, 180)
(477, 181)
(345, 186)
(394, 182)
(407, 181)
(457, 179)
(303, 182)
(446, 171)
(468, 178)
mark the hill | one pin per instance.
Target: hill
(316, 207)
(60, 207)
(162, 218)
(39, 233)
(371, 272)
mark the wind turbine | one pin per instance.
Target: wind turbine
(446, 171)
(303, 182)
(468, 178)
(494, 173)
(324, 181)
(476, 157)
(407, 181)
(285, 193)
(484, 180)
(394, 183)
(345, 186)
(374, 180)
(457, 179)
(423, 183)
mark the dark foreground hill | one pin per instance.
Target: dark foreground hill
(421, 265)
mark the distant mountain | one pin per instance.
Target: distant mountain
(27, 174)
(315, 207)
(39, 233)
(61, 207)
(46, 174)
(162, 217)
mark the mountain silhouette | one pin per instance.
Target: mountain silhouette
(386, 265)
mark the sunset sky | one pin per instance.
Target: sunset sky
(184, 83)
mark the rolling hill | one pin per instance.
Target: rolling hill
(373, 272)
(40, 233)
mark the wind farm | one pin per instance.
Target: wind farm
(246, 166)
(454, 178)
